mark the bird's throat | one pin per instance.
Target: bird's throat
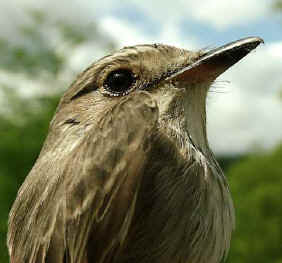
(183, 114)
(194, 104)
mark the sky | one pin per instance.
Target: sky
(244, 111)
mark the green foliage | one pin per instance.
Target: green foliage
(22, 137)
(277, 5)
(33, 54)
(31, 61)
(280, 94)
(227, 161)
(256, 189)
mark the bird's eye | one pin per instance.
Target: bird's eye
(119, 81)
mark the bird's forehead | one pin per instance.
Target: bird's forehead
(149, 54)
(147, 61)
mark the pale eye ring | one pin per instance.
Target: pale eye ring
(119, 81)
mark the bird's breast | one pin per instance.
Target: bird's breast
(183, 211)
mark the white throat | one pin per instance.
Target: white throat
(183, 111)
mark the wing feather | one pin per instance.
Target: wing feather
(80, 205)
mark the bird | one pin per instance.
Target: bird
(126, 173)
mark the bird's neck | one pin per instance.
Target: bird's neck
(185, 120)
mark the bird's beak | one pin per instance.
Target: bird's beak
(214, 62)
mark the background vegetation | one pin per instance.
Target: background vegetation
(255, 180)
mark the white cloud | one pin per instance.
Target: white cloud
(122, 32)
(84, 55)
(218, 13)
(28, 86)
(126, 34)
(222, 13)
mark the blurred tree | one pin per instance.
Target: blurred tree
(25, 119)
(256, 188)
(277, 4)
(226, 161)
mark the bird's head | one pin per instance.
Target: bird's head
(177, 79)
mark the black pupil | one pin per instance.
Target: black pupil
(119, 81)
